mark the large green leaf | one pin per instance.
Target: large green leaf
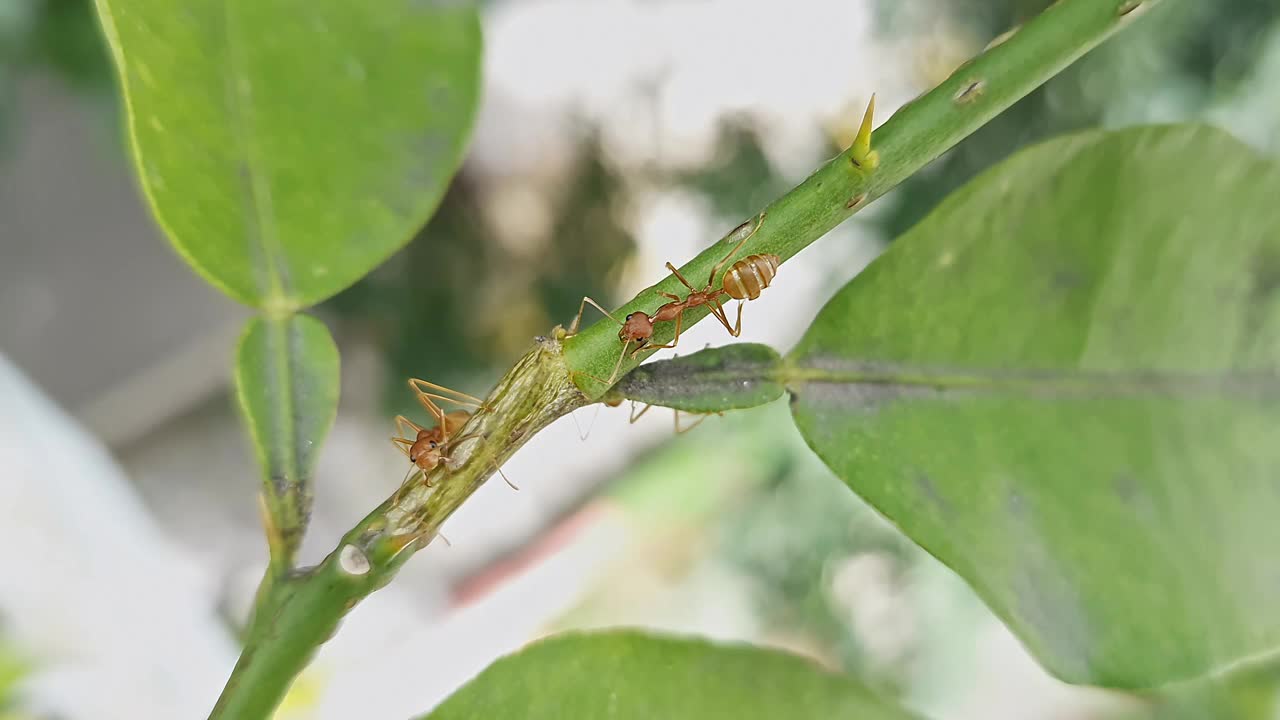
(289, 146)
(625, 674)
(1063, 385)
(287, 384)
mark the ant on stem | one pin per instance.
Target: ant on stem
(744, 280)
(429, 447)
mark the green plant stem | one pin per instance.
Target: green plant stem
(295, 613)
(918, 133)
(299, 611)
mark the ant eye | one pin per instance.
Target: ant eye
(433, 445)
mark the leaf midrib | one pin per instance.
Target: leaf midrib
(1051, 380)
(260, 224)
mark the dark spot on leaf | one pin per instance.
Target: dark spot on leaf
(1129, 491)
(1263, 282)
(1126, 487)
(1067, 279)
(1265, 275)
(1128, 6)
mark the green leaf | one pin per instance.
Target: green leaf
(287, 384)
(289, 147)
(710, 380)
(626, 674)
(1063, 385)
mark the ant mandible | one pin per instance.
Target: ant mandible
(745, 280)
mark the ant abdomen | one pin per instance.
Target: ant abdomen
(748, 277)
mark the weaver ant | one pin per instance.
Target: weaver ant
(744, 280)
(429, 447)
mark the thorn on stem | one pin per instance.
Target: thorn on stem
(861, 154)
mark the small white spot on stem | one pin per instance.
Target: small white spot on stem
(352, 560)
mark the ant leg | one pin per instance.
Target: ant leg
(403, 443)
(472, 436)
(637, 415)
(582, 435)
(718, 310)
(582, 306)
(711, 279)
(674, 340)
(679, 277)
(402, 421)
(418, 384)
(681, 430)
(503, 475)
(466, 400)
(618, 365)
(413, 470)
(435, 410)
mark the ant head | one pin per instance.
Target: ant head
(425, 454)
(637, 326)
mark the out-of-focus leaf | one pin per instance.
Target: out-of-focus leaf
(623, 675)
(1063, 384)
(711, 380)
(287, 383)
(289, 147)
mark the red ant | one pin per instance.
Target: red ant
(745, 280)
(427, 450)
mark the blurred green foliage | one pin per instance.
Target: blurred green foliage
(59, 37)
(455, 307)
(1165, 68)
(794, 565)
(626, 675)
(458, 302)
(12, 671)
(729, 493)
